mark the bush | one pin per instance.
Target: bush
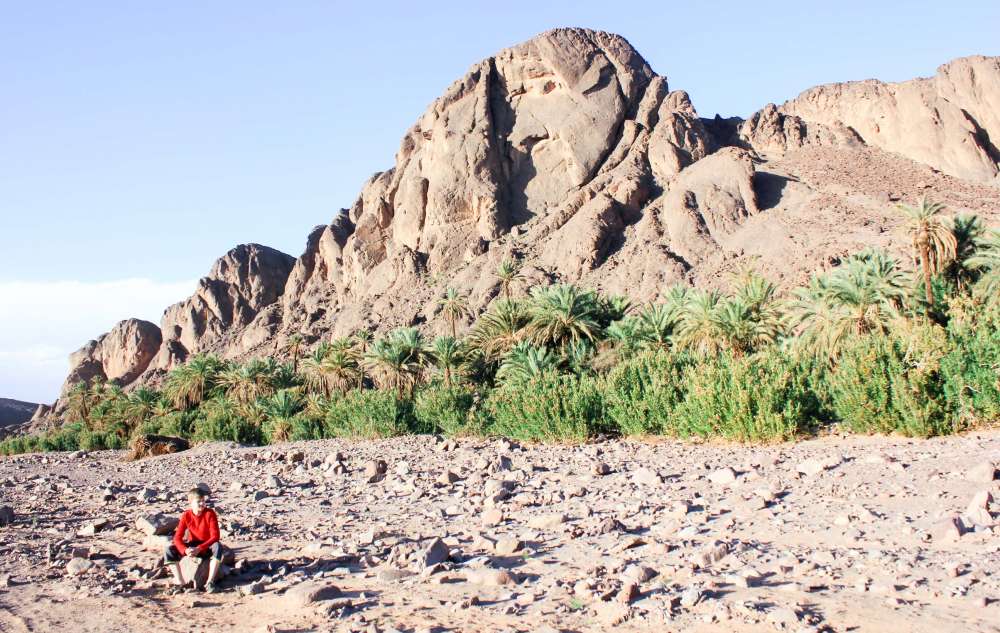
(370, 414)
(891, 383)
(762, 397)
(548, 407)
(446, 410)
(222, 426)
(642, 393)
(971, 368)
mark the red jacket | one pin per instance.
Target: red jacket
(203, 530)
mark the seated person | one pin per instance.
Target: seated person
(200, 526)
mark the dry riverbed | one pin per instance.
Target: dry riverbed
(423, 534)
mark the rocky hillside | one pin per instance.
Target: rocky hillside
(14, 413)
(570, 153)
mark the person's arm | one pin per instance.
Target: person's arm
(213, 532)
(179, 535)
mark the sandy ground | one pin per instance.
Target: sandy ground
(834, 534)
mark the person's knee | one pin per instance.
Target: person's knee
(216, 550)
(171, 555)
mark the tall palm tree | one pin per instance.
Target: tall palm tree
(526, 361)
(454, 307)
(508, 272)
(188, 384)
(448, 355)
(657, 324)
(562, 314)
(294, 347)
(499, 329)
(821, 322)
(933, 242)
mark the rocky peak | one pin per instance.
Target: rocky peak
(121, 355)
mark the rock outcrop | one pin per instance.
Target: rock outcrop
(119, 356)
(241, 284)
(569, 153)
(950, 121)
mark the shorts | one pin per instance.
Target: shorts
(173, 555)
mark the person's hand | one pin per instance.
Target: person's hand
(192, 552)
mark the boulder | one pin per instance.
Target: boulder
(309, 592)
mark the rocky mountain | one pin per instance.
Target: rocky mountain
(570, 153)
(14, 413)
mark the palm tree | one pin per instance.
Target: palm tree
(508, 272)
(986, 262)
(752, 318)
(448, 356)
(562, 314)
(454, 306)
(657, 323)
(294, 347)
(526, 361)
(396, 362)
(188, 384)
(142, 405)
(281, 410)
(363, 339)
(248, 382)
(332, 368)
(613, 308)
(968, 230)
(699, 328)
(822, 323)
(626, 336)
(499, 329)
(871, 286)
(933, 242)
(81, 399)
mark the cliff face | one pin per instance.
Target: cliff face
(570, 153)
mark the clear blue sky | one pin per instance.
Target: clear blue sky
(144, 139)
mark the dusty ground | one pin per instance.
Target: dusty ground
(661, 542)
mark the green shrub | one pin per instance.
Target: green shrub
(446, 410)
(971, 368)
(548, 407)
(306, 427)
(369, 414)
(762, 397)
(891, 383)
(220, 426)
(642, 393)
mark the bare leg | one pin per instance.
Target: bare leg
(213, 569)
(176, 569)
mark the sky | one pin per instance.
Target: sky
(139, 141)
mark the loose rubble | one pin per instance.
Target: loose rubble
(425, 534)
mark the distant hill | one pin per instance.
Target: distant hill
(13, 412)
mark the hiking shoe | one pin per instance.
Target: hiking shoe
(211, 588)
(174, 590)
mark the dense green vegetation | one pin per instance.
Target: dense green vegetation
(870, 346)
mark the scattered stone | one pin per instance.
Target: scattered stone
(601, 469)
(492, 516)
(152, 524)
(489, 577)
(309, 592)
(436, 552)
(6, 515)
(978, 511)
(92, 528)
(508, 546)
(723, 477)
(546, 521)
(77, 566)
(982, 473)
(949, 529)
(646, 477)
(691, 596)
